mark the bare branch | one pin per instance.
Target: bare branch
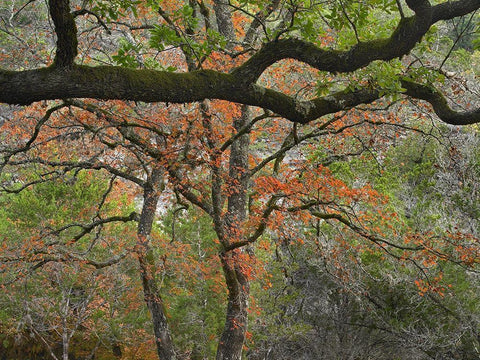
(89, 12)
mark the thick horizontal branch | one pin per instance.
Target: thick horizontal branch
(109, 83)
(66, 80)
(452, 9)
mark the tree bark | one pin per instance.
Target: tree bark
(223, 15)
(66, 31)
(110, 82)
(163, 340)
(233, 337)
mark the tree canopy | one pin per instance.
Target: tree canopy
(65, 79)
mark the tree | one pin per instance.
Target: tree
(205, 151)
(65, 79)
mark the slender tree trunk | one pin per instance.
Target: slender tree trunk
(154, 302)
(64, 313)
(147, 264)
(233, 337)
(65, 341)
(223, 17)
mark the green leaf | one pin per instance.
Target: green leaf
(162, 35)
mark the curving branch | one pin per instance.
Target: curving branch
(382, 242)
(89, 12)
(109, 82)
(88, 228)
(66, 166)
(271, 206)
(9, 153)
(440, 105)
(406, 35)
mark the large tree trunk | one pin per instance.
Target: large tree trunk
(233, 337)
(146, 260)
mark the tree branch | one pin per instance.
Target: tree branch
(111, 82)
(408, 33)
(28, 144)
(87, 228)
(440, 105)
(88, 12)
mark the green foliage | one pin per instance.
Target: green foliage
(423, 166)
(356, 13)
(112, 10)
(462, 59)
(127, 54)
(465, 31)
(191, 281)
(385, 75)
(65, 296)
(316, 288)
(306, 23)
(425, 75)
(164, 36)
(361, 20)
(45, 202)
